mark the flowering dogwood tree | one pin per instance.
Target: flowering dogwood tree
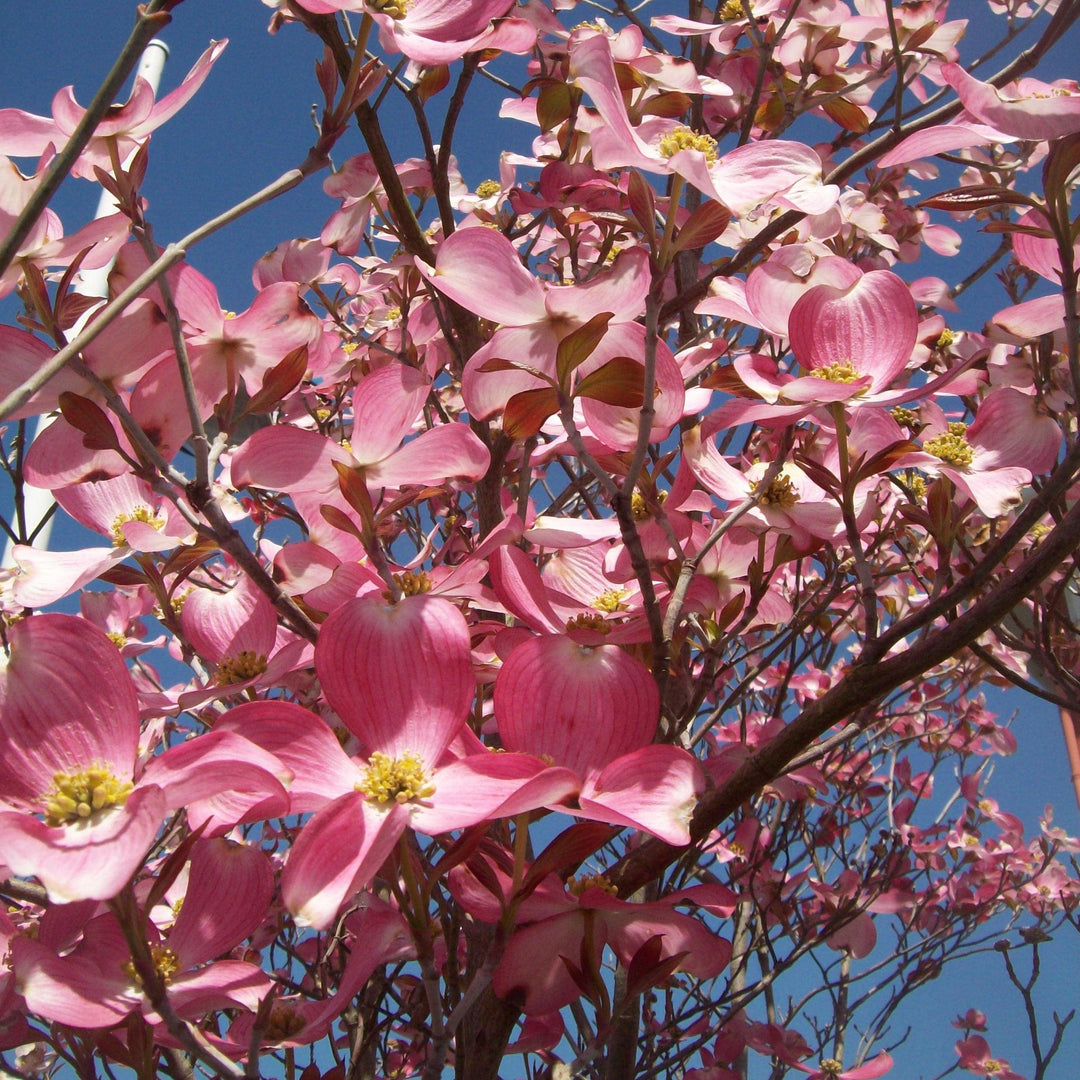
(552, 618)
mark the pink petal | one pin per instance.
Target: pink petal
(399, 675)
(66, 703)
(87, 861)
(1033, 318)
(579, 706)
(487, 392)
(302, 742)
(654, 789)
(546, 986)
(47, 576)
(69, 990)
(872, 324)
(226, 984)
(221, 779)
(938, 140)
(447, 452)
(480, 270)
(205, 927)
(1042, 114)
(338, 852)
(220, 625)
(486, 787)
(385, 406)
(23, 355)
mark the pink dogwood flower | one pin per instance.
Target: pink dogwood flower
(69, 725)
(23, 134)
(570, 922)
(438, 31)
(535, 317)
(594, 709)
(95, 983)
(400, 678)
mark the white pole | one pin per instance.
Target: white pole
(37, 502)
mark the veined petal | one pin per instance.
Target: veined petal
(399, 675)
(66, 704)
(338, 852)
(205, 927)
(221, 779)
(303, 743)
(580, 706)
(480, 270)
(443, 453)
(871, 325)
(653, 789)
(385, 406)
(91, 860)
(1044, 112)
(486, 787)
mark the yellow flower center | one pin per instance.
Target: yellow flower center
(682, 138)
(908, 418)
(781, 492)
(578, 885)
(841, 371)
(611, 600)
(992, 1066)
(917, 485)
(831, 1066)
(166, 965)
(118, 639)
(139, 513)
(241, 667)
(413, 582)
(78, 796)
(732, 10)
(945, 339)
(394, 8)
(589, 621)
(486, 188)
(951, 446)
(400, 780)
(284, 1022)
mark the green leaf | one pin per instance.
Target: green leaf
(280, 380)
(85, 416)
(621, 381)
(526, 412)
(642, 200)
(703, 226)
(578, 346)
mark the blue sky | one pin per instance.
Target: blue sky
(250, 122)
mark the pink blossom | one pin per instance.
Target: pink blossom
(70, 722)
(23, 134)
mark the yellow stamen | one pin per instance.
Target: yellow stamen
(284, 1022)
(781, 492)
(682, 138)
(732, 10)
(241, 667)
(951, 446)
(394, 8)
(841, 372)
(166, 964)
(486, 188)
(611, 600)
(577, 885)
(589, 621)
(139, 513)
(413, 582)
(78, 796)
(400, 780)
